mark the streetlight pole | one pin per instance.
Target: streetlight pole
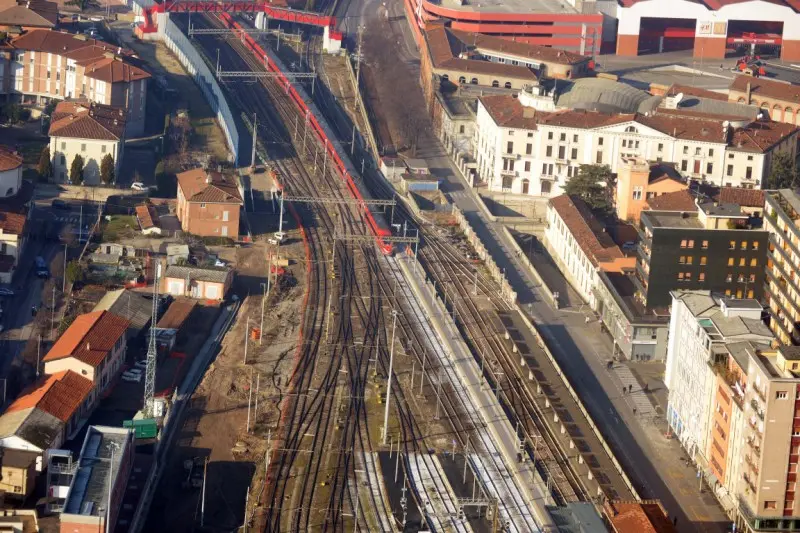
(389, 379)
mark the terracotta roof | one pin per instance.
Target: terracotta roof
(515, 48)
(687, 90)
(36, 13)
(506, 111)
(59, 395)
(663, 171)
(587, 231)
(762, 87)
(673, 201)
(761, 135)
(200, 185)
(742, 197)
(11, 222)
(647, 516)
(583, 119)
(101, 61)
(177, 313)
(9, 159)
(89, 338)
(147, 216)
(88, 120)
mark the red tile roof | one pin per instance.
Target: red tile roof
(673, 201)
(208, 186)
(87, 120)
(101, 61)
(89, 338)
(11, 222)
(742, 197)
(9, 159)
(765, 88)
(146, 215)
(647, 516)
(59, 395)
(176, 315)
(587, 231)
(687, 90)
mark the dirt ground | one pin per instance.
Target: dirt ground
(215, 424)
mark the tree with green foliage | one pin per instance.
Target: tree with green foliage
(76, 170)
(783, 171)
(74, 272)
(107, 169)
(592, 184)
(45, 166)
(12, 112)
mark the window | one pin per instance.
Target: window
(562, 137)
(685, 150)
(741, 261)
(755, 245)
(684, 165)
(709, 168)
(705, 245)
(732, 245)
(599, 141)
(574, 154)
(461, 129)
(752, 278)
(495, 83)
(599, 158)
(682, 259)
(549, 135)
(749, 157)
(689, 259)
(83, 147)
(549, 151)
(546, 185)
(630, 129)
(48, 74)
(510, 147)
(743, 245)
(527, 166)
(727, 292)
(462, 79)
(680, 276)
(660, 147)
(701, 276)
(691, 243)
(688, 276)
(730, 156)
(729, 277)
(710, 152)
(703, 260)
(754, 262)
(103, 148)
(575, 138)
(750, 293)
(683, 243)
(528, 149)
(510, 133)
(530, 134)
(748, 173)
(562, 152)
(474, 81)
(203, 206)
(637, 193)
(63, 146)
(729, 171)
(781, 395)
(507, 85)
(63, 160)
(730, 261)
(770, 504)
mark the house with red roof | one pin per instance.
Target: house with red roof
(93, 346)
(208, 203)
(14, 211)
(47, 413)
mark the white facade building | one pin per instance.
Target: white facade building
(525, 151)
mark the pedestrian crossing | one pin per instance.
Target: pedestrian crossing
(637, 397)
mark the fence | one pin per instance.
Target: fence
(505, 287)
(191, 60)
(370, 133)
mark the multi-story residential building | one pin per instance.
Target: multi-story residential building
(90, 130)
(208, 203)
(525, 151)
(94, 499)
(94, 346)
(782, 290)
(716, 248)
(40, 65)
(734, 401)
(581, 246)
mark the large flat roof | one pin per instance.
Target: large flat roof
(509, 6)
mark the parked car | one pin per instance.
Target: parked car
(140, 365)
(5, 291)
(138, 186)
(42, 271)
(134, 370)
(60, 204)
(131, 378)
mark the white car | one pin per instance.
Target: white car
(5, 291)
(131, 378)
(140, 365)
(138, 186)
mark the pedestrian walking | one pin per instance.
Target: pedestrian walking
(630, 388)
(624, 391)
(634, 409)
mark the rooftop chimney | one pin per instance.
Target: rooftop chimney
(88, 347)
(747, 93)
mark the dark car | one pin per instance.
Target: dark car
(60, 204)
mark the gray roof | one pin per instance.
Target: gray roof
(31, 425)
(704, 305)
(698, 104)
(218, 275)
(604, 95)
(130, 305)
(178, 249)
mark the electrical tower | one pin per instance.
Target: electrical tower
(150, 372)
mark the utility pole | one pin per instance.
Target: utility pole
(152, 354)
(246, 332)
(255, 138)
(203, 497)
(389, 379)
(359, 58)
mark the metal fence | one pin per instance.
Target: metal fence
(190, 58)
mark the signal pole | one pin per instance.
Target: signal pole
(389, 379)
(359, 58)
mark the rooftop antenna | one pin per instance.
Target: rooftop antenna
(150, 372)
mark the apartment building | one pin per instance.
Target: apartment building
(93, 346)
(782, 290)
(733, 403)
(90, 130)
(522, 150)
(716, 247)
(40, 65)
(208, 203)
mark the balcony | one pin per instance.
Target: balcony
(751, 463)
(757, 408)
(509, 173)
(750, 484)
(760, 393)
(754, 446)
